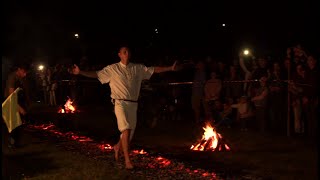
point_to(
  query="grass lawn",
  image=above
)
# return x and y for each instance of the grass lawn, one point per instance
(252, 155)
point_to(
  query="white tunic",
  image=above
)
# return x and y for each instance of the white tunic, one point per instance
(125, 80)
(125, 83)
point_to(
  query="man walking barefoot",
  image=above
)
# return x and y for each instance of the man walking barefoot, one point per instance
(124, 79)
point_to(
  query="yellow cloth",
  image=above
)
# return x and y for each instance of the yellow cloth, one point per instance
(10, 111)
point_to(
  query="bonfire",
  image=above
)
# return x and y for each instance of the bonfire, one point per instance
(68, 107)
(211, 141)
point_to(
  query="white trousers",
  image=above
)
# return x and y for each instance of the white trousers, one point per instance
(126, 113)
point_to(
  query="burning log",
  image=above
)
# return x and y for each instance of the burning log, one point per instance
(211, 141)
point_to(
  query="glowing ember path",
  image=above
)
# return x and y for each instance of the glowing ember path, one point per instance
(151, 162)
(211, 141)
(71, 136)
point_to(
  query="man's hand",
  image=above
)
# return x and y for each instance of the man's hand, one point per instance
(22, 111)
(74, 70)
(241, 55)
(158, 69)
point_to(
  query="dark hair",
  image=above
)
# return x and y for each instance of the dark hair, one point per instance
(127, 47)
(123, 43)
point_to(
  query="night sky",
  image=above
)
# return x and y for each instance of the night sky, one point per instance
(191, 28)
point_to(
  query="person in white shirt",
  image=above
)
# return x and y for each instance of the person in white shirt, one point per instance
(125, 80)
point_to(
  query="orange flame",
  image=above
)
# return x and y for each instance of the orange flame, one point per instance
(210, 141)
(139, 152)
(68, 107)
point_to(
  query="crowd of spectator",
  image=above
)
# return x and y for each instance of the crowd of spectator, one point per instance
(251, 93)
(256, 97)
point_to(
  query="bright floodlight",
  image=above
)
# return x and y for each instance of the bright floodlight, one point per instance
(76, 35)
(246, 52)
(41, 67)
(223, 25)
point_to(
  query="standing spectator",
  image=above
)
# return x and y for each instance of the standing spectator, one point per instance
(212, 91)
(259, 72)
(298, 98)
(260, 102)
(248, 65)
(233, 90)
(299, 55)
(53, 87)
(197, 97)
(277, 99)
(44, 80)
(222, 71)
(49, 85)
(15, 80)
(312, 96)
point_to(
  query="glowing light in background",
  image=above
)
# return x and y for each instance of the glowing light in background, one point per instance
(40, 67)
(246, 52)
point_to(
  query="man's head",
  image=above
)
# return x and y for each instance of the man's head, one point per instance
(124, 54)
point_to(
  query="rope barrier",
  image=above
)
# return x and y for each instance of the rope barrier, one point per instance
(190, 82)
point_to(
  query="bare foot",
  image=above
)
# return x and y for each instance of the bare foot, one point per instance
(129, 165)
(116, 152)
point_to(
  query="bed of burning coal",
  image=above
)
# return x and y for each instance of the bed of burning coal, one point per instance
(149, 163)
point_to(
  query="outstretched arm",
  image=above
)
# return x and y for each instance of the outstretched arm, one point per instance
(76, 70)
(165, 69)
(242, 65)
(90, 74)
